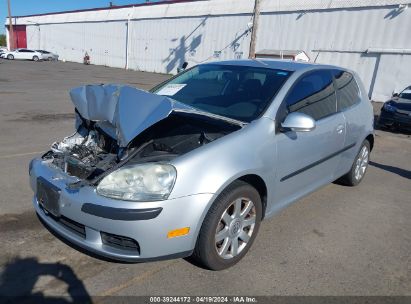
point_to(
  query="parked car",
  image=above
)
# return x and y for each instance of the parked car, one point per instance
(2, 51)
(396, 112)
(48, 55)
(24, 54)
(192, 167)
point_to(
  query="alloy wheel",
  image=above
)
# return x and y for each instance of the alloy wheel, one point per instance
(361, 163)
(235, 228)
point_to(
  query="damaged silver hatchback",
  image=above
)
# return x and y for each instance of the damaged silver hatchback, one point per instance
(192, 167)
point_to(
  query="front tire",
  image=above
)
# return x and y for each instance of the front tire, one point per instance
(229, 228)
(10, 57)
(359, 167)
(36, 58)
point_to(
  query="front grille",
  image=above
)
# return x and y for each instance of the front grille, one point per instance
(403, 112)
(402, 118)
(73, 226)
(120, 242)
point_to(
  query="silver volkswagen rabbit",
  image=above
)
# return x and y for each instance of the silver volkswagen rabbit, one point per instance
(192, 167)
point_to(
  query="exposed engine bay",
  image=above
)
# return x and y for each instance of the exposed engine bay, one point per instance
(120, 124)
(90, 151)
(83, 154)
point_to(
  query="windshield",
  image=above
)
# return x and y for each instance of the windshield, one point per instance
(237, 92)
(406, 94)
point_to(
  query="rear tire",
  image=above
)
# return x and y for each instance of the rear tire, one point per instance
(358, 168)
(10, 57)
(229, 227)
(36, 58)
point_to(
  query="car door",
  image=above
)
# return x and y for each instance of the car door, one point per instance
(349, 103)
(23, 54)
(18, 54)
(307, 160)
(46, 55)
(29, 54)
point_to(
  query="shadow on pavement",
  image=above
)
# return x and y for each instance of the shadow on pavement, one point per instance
(19, 276)
(401, 172)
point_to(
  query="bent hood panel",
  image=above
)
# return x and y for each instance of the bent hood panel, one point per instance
(128, 110)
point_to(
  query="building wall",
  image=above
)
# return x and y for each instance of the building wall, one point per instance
(160, 38)
(105, 42)
(342, 37)
(163, 45)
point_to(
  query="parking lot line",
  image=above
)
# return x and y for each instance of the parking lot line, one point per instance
(139, 278)
(20, 154)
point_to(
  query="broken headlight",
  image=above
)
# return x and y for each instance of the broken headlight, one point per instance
(144, 182)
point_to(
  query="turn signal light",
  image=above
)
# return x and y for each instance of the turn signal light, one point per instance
(178, 232)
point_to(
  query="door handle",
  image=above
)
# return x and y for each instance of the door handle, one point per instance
(340, 129)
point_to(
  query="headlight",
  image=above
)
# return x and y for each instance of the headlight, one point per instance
(389, 108)
(145, 182)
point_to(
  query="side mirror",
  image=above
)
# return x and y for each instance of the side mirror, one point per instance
(395, 94)
(298, 122)
(183, 67)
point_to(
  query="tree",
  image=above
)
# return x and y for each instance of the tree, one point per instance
(3, 40)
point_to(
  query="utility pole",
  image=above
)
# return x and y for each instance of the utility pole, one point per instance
(256, 16)
(11, 30)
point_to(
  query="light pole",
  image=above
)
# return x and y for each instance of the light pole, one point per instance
(256, 16)
(11, 31)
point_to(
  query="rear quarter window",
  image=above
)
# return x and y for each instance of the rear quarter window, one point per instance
(348, 92)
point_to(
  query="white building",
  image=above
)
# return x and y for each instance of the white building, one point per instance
(372, 37)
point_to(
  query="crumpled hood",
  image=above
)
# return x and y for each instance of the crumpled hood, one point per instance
(125, 110)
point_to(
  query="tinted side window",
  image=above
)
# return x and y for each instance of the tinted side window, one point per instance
(348, 92)
(313, 95)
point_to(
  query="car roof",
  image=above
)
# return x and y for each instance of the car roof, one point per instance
(280, 64)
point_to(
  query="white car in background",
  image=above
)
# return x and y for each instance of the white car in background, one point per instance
(48, 55)
(24, 54)
(3, 50)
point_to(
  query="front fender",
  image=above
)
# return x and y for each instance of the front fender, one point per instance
(211, 168)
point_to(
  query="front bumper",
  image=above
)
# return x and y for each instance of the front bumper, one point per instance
(395, 119)
(87, 228)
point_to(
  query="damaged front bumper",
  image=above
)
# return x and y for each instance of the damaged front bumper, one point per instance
(120, 230)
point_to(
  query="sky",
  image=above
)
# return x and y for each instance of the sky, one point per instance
(29, 7)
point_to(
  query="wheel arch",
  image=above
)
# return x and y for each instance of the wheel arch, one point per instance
(259, 184)
(370, 139)
(252, 179)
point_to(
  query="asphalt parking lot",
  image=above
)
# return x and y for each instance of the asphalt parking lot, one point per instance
(337, 241)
